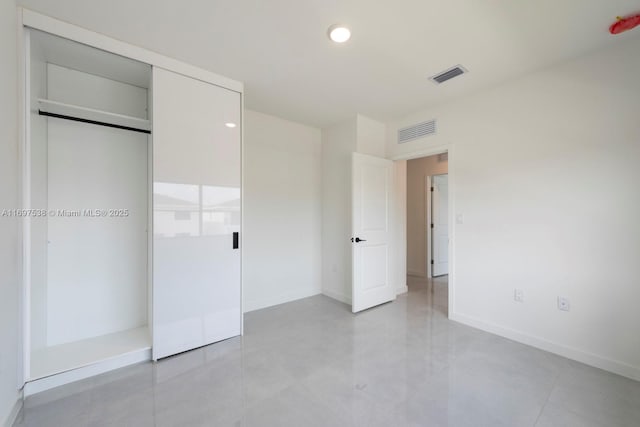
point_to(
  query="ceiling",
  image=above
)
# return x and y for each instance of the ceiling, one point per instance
(280, 50)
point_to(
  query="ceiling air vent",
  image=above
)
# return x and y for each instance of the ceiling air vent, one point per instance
(448, 74)
(416, 131)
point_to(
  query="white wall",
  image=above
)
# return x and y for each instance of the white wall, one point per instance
(10, 259)
(110, 280)
(370, 136)
(338, 142)
(545, 171)
(398, 267)
(417, 172)
(282, 256)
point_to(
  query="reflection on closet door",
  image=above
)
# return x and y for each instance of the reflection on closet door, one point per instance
(196, 208)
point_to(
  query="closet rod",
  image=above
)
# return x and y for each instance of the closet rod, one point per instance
(93, 122)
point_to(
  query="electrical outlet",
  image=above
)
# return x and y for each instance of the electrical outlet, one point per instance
(518, 295)
(563, 304)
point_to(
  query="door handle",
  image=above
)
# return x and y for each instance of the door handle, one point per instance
(358, 240)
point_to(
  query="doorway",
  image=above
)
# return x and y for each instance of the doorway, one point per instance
(423, 174)
(427, 229)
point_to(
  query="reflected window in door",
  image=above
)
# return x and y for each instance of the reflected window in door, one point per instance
(184, 210)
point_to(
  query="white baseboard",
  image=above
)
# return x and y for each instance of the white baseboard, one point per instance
(402, 290)
(13, 415)
(337, 296)
(587, 358)
(46, 383)
(416, 273)
(257, 304)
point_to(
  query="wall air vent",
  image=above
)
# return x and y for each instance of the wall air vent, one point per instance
(416, 131)
(448, 74)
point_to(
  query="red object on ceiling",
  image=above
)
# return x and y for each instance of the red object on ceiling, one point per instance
(624, 24)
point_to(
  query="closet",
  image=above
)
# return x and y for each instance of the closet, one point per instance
(132, 179)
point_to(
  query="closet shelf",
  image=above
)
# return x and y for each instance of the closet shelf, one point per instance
(89, 115)
(65, 357)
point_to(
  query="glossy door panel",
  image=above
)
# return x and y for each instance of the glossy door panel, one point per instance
(196, 205)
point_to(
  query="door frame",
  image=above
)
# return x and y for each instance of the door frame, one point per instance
(450, 151)
(28, 21)
(428, 219)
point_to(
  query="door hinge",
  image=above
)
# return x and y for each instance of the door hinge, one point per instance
(431, 225)
(431, 262)
(431, 188)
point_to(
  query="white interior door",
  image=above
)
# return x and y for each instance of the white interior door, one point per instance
(371, 179)
(440, 218)
(196, 208)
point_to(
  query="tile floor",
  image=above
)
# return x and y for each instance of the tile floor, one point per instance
(312, 363)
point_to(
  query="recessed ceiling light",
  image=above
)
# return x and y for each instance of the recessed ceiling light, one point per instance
(339, 33)
(230, 125)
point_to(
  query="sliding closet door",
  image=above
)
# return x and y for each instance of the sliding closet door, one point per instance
(196, 208)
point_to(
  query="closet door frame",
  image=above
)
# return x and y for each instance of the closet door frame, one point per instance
(29, 19)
